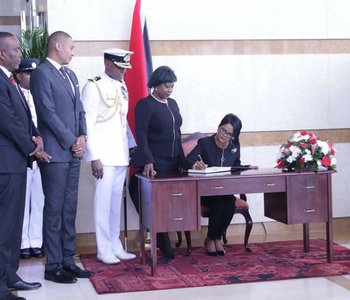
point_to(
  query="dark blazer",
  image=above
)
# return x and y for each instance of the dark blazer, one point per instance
(214, 156)
(61, 117)
(157, 127)
(16, 128)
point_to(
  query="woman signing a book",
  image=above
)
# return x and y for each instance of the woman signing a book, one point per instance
(221, 149)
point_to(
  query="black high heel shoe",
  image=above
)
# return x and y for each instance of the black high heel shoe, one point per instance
(210, 247)
(219, 247)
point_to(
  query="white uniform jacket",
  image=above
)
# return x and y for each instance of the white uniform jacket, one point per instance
(105, 102)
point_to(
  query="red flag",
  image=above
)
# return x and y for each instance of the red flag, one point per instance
(141, 62)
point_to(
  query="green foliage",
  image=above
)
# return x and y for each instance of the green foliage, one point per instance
(33, 43)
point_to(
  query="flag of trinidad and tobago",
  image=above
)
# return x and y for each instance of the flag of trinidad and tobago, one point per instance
(141, 61)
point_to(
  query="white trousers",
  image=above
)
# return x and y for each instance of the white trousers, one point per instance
(32, 233)
(107, 209)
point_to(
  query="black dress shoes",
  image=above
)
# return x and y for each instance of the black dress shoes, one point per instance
(75, 271)
(21, 285)
(60, 276)
(10, 296)
(25, 253)
(37, 252)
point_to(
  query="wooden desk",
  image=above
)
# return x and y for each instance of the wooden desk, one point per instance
(172, 203)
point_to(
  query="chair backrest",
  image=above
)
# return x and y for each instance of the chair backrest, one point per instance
(189, 142)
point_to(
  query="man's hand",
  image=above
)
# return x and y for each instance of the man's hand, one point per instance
(78, 147)
(39, 152)
(97, 169)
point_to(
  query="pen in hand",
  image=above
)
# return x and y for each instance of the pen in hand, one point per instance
(199, 164)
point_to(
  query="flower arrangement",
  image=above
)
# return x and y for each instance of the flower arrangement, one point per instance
(305, 151)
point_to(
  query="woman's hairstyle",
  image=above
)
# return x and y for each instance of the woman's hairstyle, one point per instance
(235, 122)
(161, 75)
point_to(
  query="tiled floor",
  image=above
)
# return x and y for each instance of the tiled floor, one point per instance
(330, 288)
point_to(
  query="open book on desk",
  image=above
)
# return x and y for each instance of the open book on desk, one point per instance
(211, 170)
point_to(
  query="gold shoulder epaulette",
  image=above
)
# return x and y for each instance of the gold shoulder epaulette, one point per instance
(97, 78)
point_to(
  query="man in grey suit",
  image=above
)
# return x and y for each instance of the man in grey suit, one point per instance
(61, 121)
(20, 142)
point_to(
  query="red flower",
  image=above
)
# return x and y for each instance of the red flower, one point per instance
(326, 161)
(280, 164)
(313, 140)
(303, 145)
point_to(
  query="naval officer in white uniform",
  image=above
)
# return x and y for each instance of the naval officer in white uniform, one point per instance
(32, 233)
(105, 100)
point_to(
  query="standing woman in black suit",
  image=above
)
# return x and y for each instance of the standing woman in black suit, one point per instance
(157, 123)
(61, 121)
(19, 142)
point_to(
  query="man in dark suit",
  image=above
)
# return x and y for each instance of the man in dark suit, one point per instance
(61, 121)
(19, 143)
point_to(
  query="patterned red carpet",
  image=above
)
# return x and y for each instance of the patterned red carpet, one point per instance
(267, 261)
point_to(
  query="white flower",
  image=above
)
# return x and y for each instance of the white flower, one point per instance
(295, 151)
(324, 147)
(296, 137)
(333, 160)
(290, 159)
(304, 137)
(307, 156)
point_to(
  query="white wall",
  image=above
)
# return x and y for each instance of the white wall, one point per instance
(204, 20)
(269, 92)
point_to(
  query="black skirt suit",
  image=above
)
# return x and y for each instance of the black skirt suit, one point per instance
(221, 207)
(158, 135)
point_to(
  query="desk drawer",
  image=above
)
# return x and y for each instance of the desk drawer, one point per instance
(307, 199)
(304, 202)
(177, 207)
(242, 185)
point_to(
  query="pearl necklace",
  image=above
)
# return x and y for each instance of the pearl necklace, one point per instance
(159, 100)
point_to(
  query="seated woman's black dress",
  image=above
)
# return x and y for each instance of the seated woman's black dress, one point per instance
(221, 207)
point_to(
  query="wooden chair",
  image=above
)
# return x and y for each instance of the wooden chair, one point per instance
(242, 207)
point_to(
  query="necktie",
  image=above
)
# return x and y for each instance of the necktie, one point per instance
(12, 79)
(64, 72)
(66, 77)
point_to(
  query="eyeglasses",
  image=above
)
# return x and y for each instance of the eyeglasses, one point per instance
(225, 132)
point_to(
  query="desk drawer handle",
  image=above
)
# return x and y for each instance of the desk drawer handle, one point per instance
(309, 187)
(218, 187)
(309, 210)
(175, 194)
(271, 184)
(178, 219)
